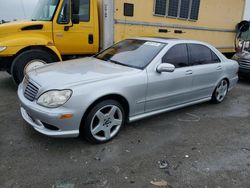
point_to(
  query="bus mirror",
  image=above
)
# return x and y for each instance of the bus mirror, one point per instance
(75, 7)
(75, 19)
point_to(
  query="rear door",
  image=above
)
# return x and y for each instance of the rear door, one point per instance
(206, 68)
(170, 89)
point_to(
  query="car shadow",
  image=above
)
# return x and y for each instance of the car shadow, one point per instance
(244, 81)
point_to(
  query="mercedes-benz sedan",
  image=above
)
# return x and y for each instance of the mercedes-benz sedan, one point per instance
(131, 80)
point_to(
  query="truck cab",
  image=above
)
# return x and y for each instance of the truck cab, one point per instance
(58, 29)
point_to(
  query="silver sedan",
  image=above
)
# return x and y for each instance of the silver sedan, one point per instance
(134, 79)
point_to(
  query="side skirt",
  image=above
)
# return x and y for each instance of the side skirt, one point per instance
(148, 114)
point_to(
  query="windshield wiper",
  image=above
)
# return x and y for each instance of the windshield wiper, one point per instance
(119, 63)
(115, 62)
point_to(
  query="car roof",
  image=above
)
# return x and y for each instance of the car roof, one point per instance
(174, 41)
(168, 40)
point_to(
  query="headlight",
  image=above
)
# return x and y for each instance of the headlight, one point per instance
(2, 48)
(54, 98)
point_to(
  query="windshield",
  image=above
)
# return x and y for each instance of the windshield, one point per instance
(45, 10)
(132, 53)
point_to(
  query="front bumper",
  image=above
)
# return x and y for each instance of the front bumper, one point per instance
(244, 67)
(244, 72)
(37, 116)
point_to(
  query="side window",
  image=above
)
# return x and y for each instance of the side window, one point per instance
(64, 16)
(199, 54)
(177, 55)
(84, 10)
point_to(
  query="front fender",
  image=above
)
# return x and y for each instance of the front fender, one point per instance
(19, 42)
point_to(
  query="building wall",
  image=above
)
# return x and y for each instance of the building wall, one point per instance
(213, 13)
(215, 25)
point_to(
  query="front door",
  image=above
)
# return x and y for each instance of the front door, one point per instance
(170, 89)
(76, 38)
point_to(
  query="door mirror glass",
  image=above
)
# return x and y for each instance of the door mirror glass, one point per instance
(75, 11)
(75, 7)
(165, 67)
(75, 19)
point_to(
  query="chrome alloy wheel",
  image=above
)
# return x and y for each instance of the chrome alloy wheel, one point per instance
(106, 122)
(221, 91)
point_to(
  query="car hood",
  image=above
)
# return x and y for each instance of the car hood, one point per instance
(79, 71)
(242, 56)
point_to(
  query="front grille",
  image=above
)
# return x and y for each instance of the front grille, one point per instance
(245, 61)
(244, 64)
(30, 90)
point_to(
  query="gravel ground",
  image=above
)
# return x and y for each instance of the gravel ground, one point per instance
(200, 146)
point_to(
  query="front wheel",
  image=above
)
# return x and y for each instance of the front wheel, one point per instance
(27, 61)
(104, 121)
(220, 91)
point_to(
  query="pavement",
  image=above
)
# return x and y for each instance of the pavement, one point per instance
(205, 145)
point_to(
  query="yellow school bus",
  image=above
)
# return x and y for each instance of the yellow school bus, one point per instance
(65, 29)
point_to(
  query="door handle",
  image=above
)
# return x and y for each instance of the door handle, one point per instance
(189, 72)
(219, 67)
(91, 39)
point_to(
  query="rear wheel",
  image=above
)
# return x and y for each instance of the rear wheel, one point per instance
(27, 61)
(220, 91)
(104, 121)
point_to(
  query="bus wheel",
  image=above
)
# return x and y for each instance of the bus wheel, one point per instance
(27, 61)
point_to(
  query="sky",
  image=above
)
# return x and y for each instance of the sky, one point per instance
(16, 9)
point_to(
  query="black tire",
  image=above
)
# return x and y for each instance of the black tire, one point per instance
(86, 127)
(19, 63)
(214, 96)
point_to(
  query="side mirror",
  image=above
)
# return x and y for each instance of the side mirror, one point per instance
(165, 67)
(75, 11)
(75, 19)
